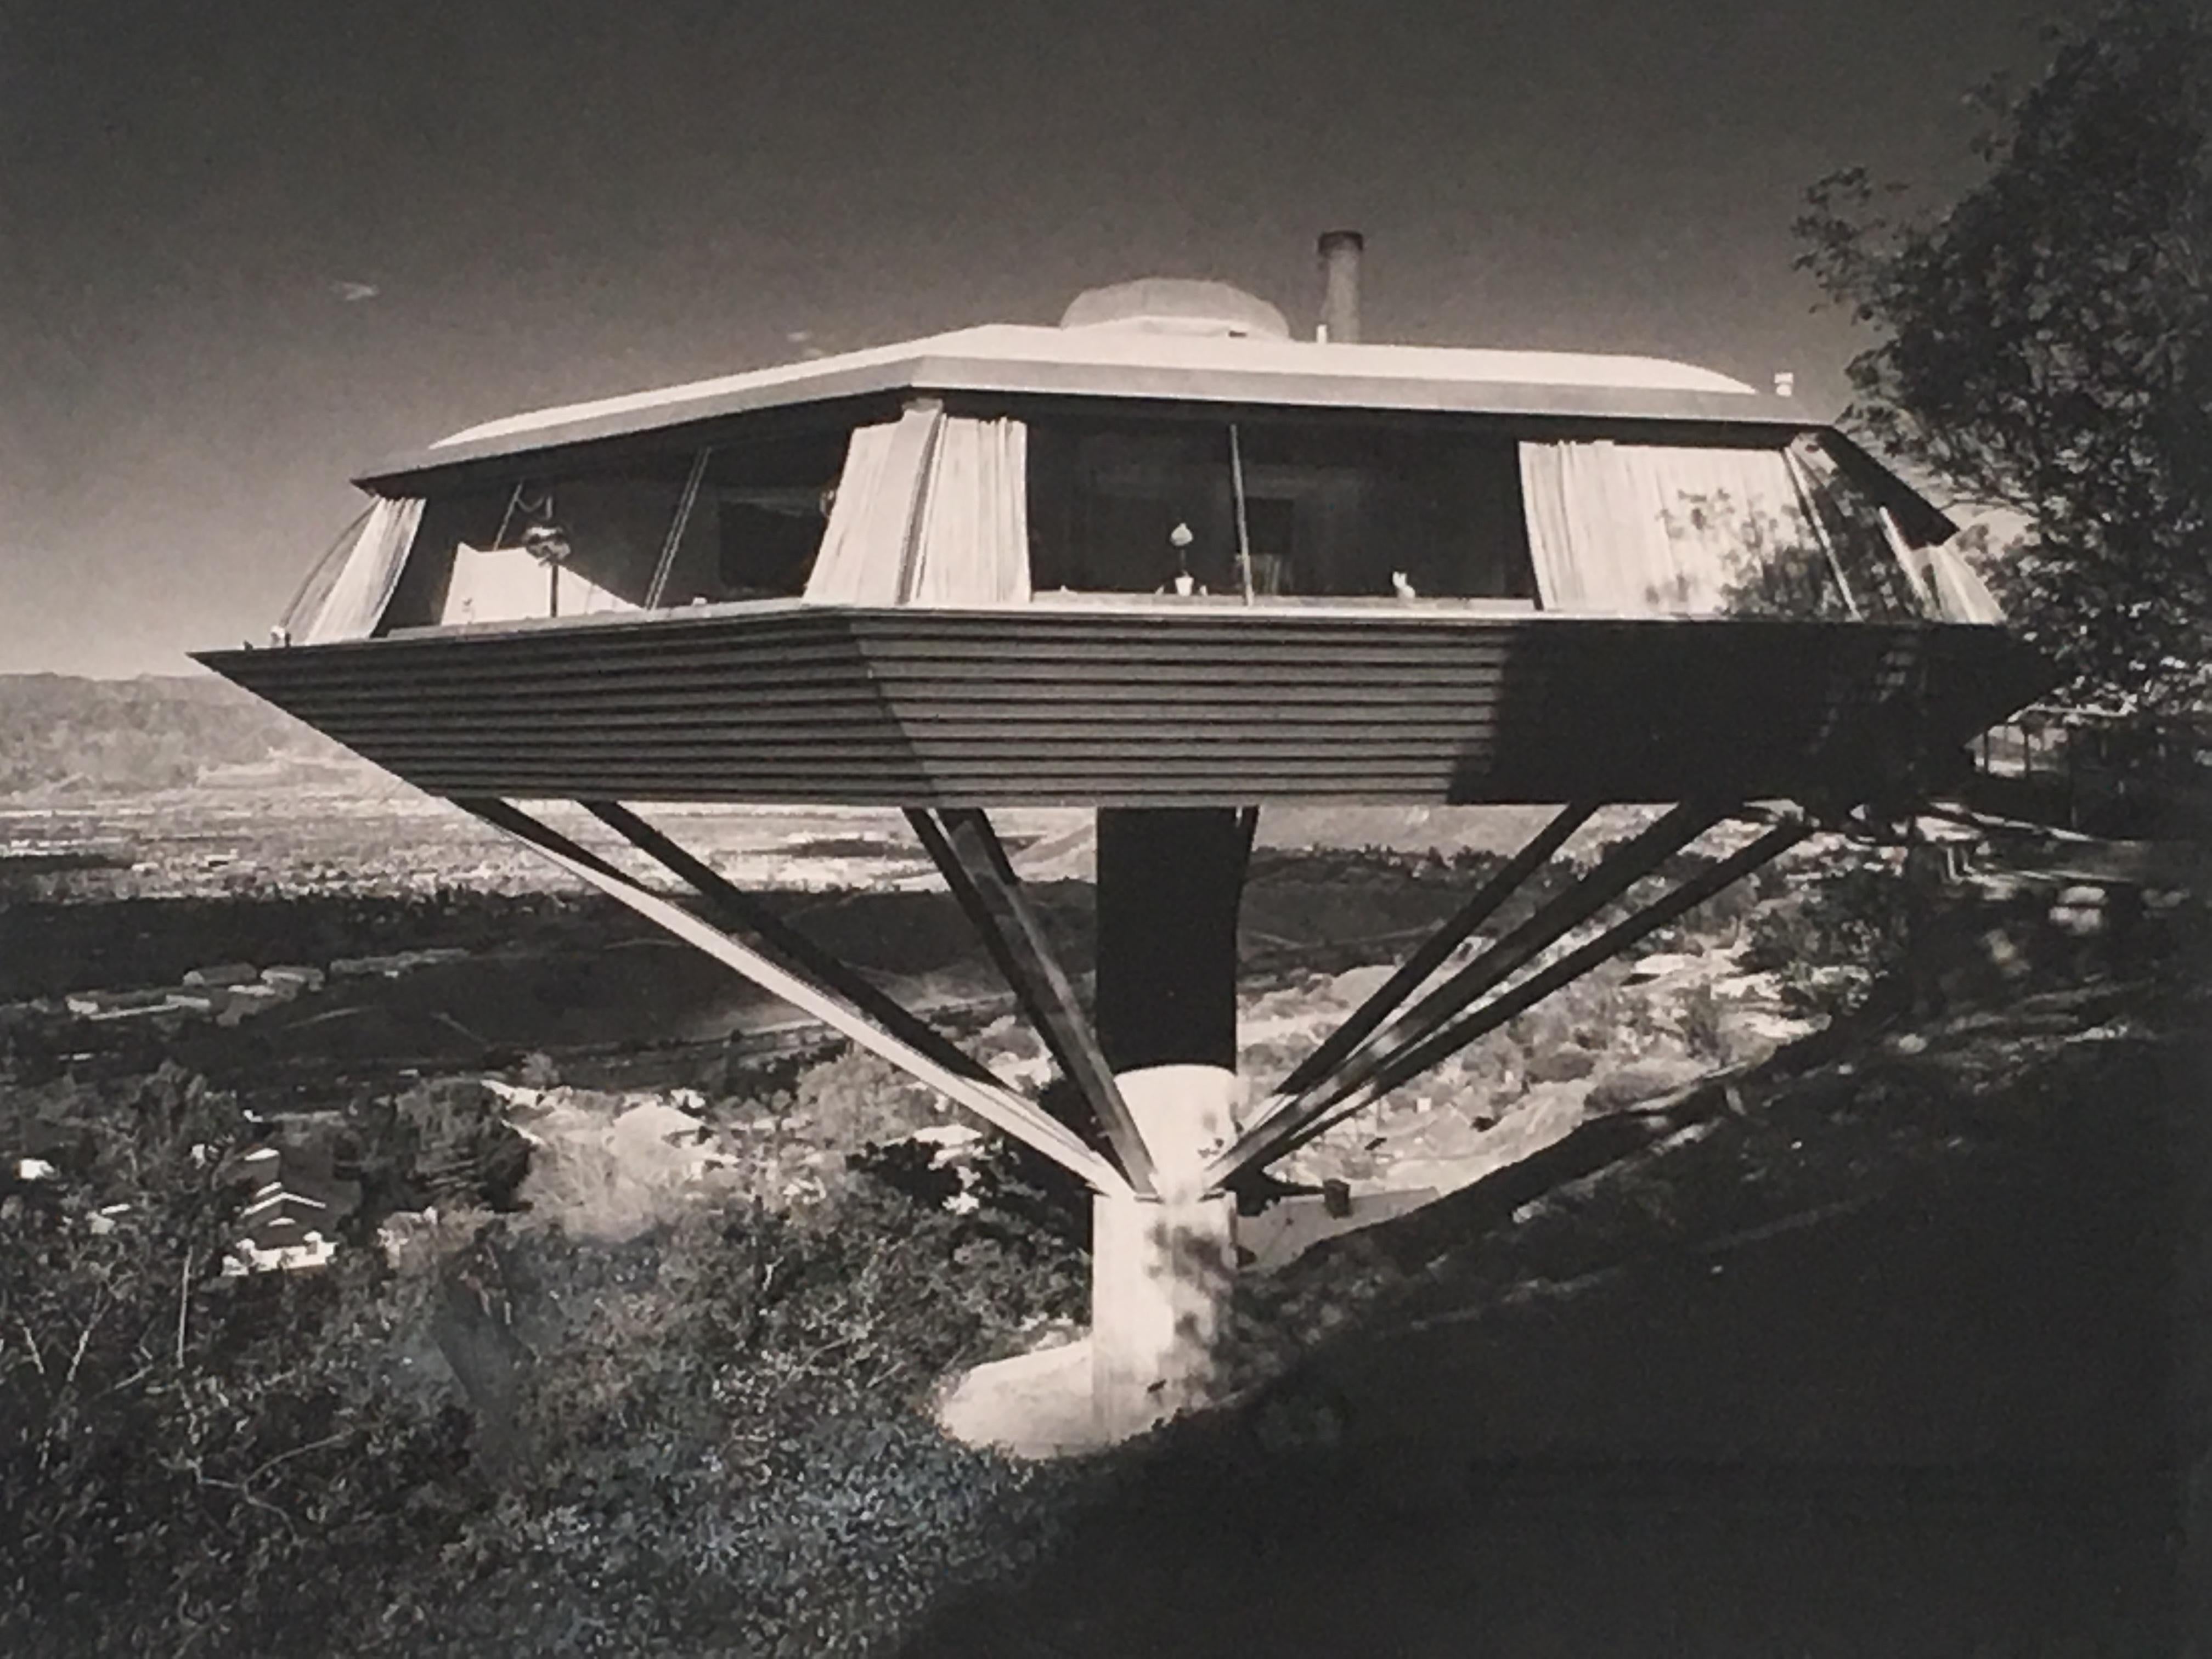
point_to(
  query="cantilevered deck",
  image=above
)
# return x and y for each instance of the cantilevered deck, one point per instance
(1157, 704)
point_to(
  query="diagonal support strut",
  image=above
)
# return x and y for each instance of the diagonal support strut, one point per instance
(1362, 1022)
(967, 851)
(1620, 870)
(735, 907)
(991, 1101)
(1410, 1059)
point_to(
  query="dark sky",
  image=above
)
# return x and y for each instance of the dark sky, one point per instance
(558, 200)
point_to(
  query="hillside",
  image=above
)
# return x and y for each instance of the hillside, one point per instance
(80, 741)
(61, 734)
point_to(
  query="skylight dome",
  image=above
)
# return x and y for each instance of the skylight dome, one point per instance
(1176, 305)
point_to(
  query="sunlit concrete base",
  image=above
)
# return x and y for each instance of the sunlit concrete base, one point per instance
(1161, 1267)
(1034, 1405)
(1160, 1274)
(1186, 1115)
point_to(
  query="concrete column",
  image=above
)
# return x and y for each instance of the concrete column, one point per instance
(1160, 1274)
(1170, 881)
(1169, 884)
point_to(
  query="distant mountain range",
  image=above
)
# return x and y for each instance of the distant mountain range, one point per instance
(62, 739)
(62, 735)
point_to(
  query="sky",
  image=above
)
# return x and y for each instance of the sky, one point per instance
(248, 248)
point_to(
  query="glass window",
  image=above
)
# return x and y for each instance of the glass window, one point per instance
(1324, 511)
(732, 522)
(1851, 520)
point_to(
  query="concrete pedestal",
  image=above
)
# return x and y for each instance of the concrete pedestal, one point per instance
(1187, 1113)
(1160, 1274)
(1161, 1267)
(1170, 883)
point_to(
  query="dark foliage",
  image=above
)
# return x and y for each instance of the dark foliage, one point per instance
(2045, 346)
(707, 1440)
(186, 1461)
(1023, 1200)
(1855, 917)
(717, 1447)
(48, 946)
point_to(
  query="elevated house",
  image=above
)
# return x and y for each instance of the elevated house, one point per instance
(1166, 561)
(1527, 573)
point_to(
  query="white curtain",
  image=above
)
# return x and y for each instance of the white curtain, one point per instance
(930, 510)
(1947, 586)
(1960, 595)
(512, 584)
(356, 600)
(1637, 529)
(973, 545)
(1913, 563)
(871, 522)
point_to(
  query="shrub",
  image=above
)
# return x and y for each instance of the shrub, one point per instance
(1843, 925)
(445, 1141)
(1705, 1032)
(855, 1098)
(723, 1438)
(1016, 1200)
(184, 1459)
(711, 1437)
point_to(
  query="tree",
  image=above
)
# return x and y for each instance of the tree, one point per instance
(2045, 348)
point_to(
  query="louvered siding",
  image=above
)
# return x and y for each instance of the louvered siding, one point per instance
(914, 707)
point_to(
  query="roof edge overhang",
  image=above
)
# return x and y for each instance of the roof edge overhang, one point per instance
(1019, 361)
(1924, 524)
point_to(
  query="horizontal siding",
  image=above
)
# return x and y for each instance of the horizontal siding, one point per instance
(948, 708)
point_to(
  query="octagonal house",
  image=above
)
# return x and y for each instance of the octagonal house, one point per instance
(1168, 562)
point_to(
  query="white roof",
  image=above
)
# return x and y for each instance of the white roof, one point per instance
(1125, 361)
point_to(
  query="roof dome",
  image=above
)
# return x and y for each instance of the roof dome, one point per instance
(1176, 304)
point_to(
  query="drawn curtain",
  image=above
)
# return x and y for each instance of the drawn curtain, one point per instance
(871, 519)
(1960, 595)
(1881, 571)
(973, 547)
(365, 581)
(931, 509)
(1637, 529)
(512, 584)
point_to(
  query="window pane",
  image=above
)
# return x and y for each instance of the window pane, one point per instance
(764, 506)
(1851, 518)
(1327, 511)
(624, 537)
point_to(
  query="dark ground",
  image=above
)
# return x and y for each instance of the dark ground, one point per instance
(563, 973)
(1632, 1561)
(1881, 1366)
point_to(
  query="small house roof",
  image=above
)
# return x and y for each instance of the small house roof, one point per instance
(1138, 362)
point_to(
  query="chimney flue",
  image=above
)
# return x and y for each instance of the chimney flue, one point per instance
(1340, 303)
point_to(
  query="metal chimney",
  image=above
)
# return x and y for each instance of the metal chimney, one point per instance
(1339, 304)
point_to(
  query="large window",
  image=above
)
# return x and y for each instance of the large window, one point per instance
(947, 510)
(1296, 509)
(732, 522)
